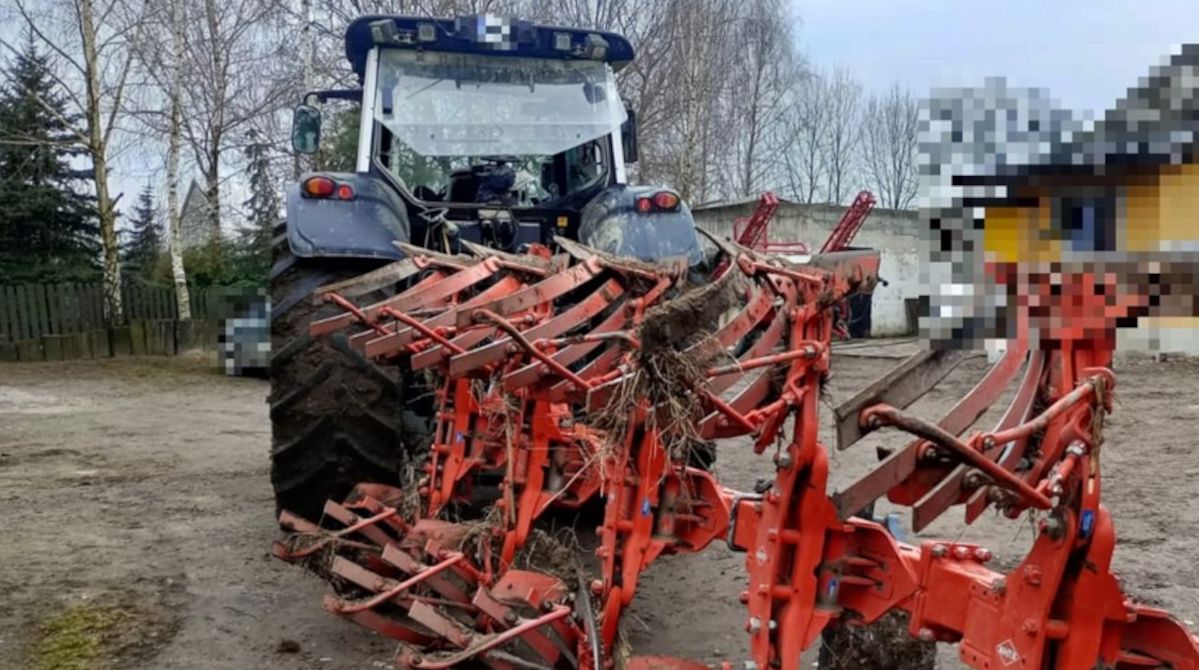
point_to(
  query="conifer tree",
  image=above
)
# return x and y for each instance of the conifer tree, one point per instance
(49, 230)
(263, 212)
(140, 253)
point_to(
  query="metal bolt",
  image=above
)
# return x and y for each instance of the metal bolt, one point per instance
(939, 550)
(1053, 527)
(782, 460)
(974, 480)
(962, 553)
(1032, 575)
(982, 555)
(926, 635)
(753, 625)
(510, 617)
(772, 624)
(1030, 626)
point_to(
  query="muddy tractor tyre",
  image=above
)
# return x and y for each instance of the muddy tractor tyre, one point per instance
(337, 418)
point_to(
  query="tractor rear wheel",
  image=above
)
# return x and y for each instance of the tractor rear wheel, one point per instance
(337, 418)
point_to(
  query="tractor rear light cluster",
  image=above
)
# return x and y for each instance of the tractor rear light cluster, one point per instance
(662, 201)
(324, 187)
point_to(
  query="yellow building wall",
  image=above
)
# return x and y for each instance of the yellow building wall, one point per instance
(1013, 234)
(1164, 210)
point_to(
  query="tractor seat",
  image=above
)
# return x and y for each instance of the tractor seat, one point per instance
(464, 184)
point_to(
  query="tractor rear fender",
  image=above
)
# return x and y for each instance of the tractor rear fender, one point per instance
(362, 223)
(613, 222)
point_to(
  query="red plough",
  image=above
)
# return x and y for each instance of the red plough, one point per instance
(576, 377)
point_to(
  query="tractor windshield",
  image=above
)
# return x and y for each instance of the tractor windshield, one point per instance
(444, 104)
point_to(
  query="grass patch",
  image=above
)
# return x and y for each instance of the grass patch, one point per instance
(79, 638)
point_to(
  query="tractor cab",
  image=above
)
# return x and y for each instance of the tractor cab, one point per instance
(484, 129)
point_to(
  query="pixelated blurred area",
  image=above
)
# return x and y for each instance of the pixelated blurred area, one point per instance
(245, 333)
(1045, 230)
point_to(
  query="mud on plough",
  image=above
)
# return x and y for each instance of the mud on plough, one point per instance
(562, 379)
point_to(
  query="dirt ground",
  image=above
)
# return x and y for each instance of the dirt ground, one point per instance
(136, 509)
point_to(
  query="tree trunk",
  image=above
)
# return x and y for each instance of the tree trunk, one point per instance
(182, 297)
(298, 159)
(213, 174)
(212, 194)
(98, 148)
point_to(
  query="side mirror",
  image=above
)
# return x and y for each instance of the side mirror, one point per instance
(628, 136)
(306, 129)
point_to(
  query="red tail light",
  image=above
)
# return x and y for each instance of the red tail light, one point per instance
(345, 192)
(319, 187)
(644, 205)
(666, 200)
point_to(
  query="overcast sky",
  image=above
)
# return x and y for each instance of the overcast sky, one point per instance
(1086, 52)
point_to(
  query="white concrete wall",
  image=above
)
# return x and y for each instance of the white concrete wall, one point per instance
(894, 233)
(1161, 336)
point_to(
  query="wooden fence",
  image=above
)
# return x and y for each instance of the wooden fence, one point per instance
(51, 321)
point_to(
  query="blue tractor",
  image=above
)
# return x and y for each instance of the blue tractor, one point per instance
(479, 129)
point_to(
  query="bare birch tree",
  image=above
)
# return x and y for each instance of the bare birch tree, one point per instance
(763, 79)
(702, 41)
(808, 121)
(174, 142)
(843, 106)
(231, 76)
(93, 38)
(890, 128)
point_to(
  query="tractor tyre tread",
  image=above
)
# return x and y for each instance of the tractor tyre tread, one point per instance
(338, 419)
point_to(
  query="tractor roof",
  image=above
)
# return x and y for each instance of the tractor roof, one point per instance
(483, 34)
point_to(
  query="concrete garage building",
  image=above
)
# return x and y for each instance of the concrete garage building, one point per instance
(895, 233)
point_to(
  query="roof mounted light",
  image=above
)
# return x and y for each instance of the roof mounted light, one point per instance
(595, 47)
(384, 32)
(426, 32)
(562, 41)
